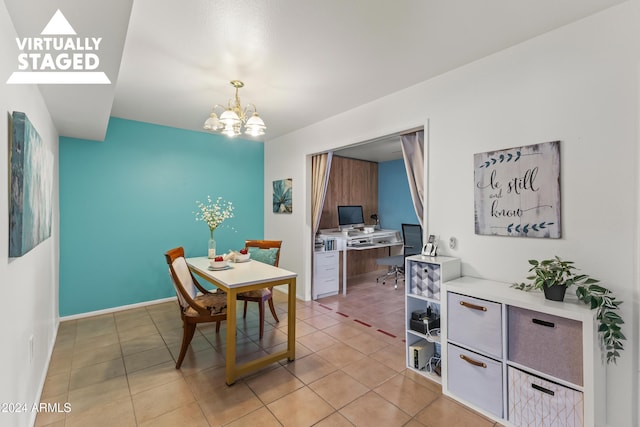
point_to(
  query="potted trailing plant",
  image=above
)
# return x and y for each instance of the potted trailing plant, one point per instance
(555, 274)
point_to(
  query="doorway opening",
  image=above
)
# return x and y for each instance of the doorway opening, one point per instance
(370, 175)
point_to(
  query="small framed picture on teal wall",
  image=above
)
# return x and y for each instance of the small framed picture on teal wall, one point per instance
(282, 200)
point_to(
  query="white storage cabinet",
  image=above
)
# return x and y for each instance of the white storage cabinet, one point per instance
(540, 359)
(326, 273)
(424, 277)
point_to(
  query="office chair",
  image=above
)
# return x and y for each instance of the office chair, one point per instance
(412, 238)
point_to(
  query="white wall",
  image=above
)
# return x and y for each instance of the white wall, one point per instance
(637, 265)
(29, 284)
(577, 84)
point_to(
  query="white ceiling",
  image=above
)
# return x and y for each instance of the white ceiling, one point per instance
(80, 111)
(301, 61)
(379, 150)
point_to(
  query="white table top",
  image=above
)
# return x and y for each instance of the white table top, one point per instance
(241, 273)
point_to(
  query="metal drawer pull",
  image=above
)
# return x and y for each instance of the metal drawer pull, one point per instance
(473, 362)
(473, 306)
(543, 323)
(542, 389)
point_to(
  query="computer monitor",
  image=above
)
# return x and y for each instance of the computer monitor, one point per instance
(350, 217)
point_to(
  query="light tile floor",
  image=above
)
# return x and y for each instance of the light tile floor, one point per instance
(119, 370)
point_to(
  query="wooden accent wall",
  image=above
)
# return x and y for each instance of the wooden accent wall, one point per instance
(353, 182)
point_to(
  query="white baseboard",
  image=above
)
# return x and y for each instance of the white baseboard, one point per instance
(43, 376)
(116, 309)
(284, 289)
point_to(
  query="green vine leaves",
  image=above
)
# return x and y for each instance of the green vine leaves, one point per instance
(602, 300)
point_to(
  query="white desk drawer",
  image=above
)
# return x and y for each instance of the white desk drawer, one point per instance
(321, 268)
(475, 323)
(475, 378)
(329, 273)
(326, 259)
(325, 286)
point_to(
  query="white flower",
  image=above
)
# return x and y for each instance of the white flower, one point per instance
(214, 213)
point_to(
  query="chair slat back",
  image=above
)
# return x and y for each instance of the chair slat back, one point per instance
(266, 244)
(181, 276)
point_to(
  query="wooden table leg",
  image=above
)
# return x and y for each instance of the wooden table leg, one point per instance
(230, 369)
(344, 271)
(291, 331)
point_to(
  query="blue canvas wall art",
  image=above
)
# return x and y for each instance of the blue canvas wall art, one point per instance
(30, 204)
(282, 198)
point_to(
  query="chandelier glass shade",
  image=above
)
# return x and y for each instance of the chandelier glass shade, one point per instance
(233, 118)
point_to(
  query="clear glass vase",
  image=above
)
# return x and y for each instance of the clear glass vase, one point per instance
(212, 247)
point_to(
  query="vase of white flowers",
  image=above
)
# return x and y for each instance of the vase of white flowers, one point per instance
(211, 252)
(214, 214)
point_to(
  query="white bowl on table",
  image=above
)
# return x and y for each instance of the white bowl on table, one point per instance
(218, 264)
(242, 257)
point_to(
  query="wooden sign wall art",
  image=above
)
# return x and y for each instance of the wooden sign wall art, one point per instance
(517, 191)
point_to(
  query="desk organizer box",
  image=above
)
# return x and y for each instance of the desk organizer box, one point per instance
(534, 402)
(475, 378)
(425, 280)
(547, 343)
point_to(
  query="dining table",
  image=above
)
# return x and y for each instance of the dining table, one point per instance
(242, 277)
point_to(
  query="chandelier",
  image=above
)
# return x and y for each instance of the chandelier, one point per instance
(234, 117)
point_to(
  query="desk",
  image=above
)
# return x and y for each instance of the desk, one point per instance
(359, 241)
(242, 277)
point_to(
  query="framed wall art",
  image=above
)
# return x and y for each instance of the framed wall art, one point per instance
(31, 181)
(282, 198)
(517, 191)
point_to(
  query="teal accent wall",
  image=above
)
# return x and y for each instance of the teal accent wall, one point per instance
(394, 198)
(125, 201)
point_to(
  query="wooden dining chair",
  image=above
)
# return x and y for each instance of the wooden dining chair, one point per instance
(267, 251)
(194, 308)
